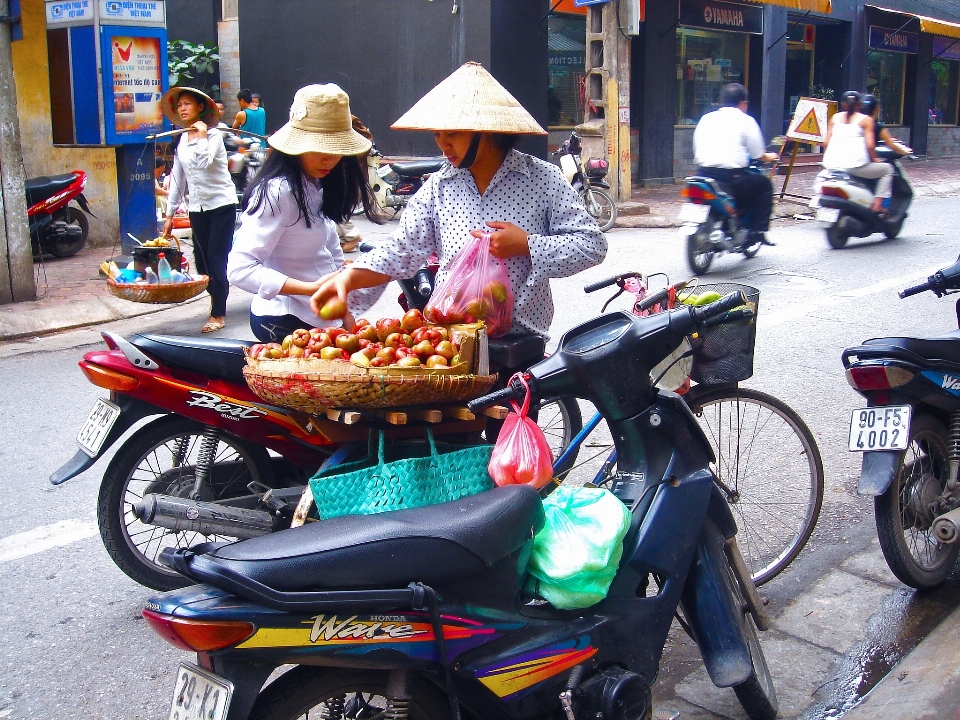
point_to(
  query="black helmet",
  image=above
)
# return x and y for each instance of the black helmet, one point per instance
(869, 104)
(850, 101)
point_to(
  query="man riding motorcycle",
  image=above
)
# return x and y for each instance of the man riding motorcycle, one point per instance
(724, 143)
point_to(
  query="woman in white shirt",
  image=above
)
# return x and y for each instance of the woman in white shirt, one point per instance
(288, 237)
(200, 172)
(851, 145)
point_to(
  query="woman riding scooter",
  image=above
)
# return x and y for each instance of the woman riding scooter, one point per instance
(536, 221)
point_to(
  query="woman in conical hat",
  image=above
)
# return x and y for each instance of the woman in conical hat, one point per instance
(537, 222)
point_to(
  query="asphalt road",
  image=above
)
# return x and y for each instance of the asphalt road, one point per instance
(72, 643)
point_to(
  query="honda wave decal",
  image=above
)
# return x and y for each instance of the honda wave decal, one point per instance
(512, 677)
(950, 383)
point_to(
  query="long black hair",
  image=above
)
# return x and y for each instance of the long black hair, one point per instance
(344, 188)
(850, 103)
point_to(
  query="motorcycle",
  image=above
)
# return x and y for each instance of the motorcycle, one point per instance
(244, 160)
(843, 201)
(56, 227)
(216, 461)
(710, 223)
(393, 184)
(587, 179)
(909, 435)
(425, 613)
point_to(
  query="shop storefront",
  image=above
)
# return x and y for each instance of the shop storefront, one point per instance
(566, 64)
(944, 81)
(887, 69)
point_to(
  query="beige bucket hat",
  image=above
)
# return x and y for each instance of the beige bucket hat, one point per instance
(320, 121)
(168, 105)
(470, 99)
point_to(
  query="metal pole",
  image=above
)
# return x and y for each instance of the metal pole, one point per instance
(16, 258)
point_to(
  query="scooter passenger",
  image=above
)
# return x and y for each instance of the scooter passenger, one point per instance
(870, 105)
(851, 146)
(538, 224)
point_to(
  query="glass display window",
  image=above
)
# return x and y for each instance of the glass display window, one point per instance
(567, 62)
(885, 79)
(706, 61)
(944, 79)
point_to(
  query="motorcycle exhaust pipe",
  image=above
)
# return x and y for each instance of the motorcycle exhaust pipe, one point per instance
(184, 514)
(947, 527)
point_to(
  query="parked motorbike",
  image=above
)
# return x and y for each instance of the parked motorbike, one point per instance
(215, 461)
(588, 179)
(710, 223)
(909, 435)
(843, 201)
(421, 613)
(394, 184)
(56, 227)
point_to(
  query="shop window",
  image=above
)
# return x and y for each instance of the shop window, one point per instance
(885, 78)
(567, 61)
(706, 61)
(944, 78)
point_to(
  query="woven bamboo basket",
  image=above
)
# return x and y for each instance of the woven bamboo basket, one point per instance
(315, 392)
(157, 293)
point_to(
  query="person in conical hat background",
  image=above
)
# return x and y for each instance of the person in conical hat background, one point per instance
(537, 222)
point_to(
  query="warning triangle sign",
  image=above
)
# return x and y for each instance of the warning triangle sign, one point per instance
(809, 124)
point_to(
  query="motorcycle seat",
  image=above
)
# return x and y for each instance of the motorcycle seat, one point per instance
(715, 185)
(415, 168)
(944, 348)
(39, 189)
(435, 545)
(219, 358)
(515, 351)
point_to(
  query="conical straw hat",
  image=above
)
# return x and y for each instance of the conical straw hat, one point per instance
(469, 99)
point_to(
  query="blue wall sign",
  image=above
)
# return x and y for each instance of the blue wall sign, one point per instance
(892, 41)
(946, 48)
(134, 76)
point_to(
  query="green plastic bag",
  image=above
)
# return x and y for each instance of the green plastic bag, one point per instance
(577, 553)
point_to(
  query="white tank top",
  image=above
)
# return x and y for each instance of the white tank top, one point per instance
(847, 148)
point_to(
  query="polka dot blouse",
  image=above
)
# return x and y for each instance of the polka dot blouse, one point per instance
(526, 191)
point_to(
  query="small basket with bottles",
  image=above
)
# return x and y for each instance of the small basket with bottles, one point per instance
(157, 274)
(723, 352)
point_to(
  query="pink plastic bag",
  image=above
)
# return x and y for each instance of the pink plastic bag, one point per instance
(522, 455)
(477, 289)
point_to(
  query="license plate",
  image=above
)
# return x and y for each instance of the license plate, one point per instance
(694, 213)
(829, 215)
(880, 428)
(97, 426)
(814, 201)
(200, 695)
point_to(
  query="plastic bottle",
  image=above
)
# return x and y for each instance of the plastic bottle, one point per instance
(151, 276)
(164, 271)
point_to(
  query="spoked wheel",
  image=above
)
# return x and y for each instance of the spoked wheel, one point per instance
(163, 457)
(770, 469)
(560, 421)
(906, 511)
(700, 251)
(307, 693)
(600, 206)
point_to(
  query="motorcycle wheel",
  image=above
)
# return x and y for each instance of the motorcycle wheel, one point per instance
(757, 695)
(699, 250)
(162, 458)
(64, 247)
(836, 238)
(893, 229)
(560, 420)
(600, 206)
(904, 521)
(312, 691)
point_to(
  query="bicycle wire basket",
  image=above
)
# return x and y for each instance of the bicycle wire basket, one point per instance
(724, 353)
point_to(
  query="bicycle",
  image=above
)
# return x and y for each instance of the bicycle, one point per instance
(767, 460)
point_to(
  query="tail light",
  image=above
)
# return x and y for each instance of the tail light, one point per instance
(834, 191)
(697, 193)
(878, 377)
(107, 378)
(199, 635)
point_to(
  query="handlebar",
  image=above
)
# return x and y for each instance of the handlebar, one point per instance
(650, 300)
(915, 290)
(728, 302)
(615, 280)
(513, 391)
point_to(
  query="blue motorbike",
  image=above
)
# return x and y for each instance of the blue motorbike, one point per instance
(427, 613)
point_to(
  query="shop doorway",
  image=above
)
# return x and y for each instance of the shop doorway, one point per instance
(799, 69)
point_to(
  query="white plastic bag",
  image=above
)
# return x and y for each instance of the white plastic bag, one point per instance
(576, 554)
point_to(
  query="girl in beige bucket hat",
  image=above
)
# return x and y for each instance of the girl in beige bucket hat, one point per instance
(287, 238)
(538, 224)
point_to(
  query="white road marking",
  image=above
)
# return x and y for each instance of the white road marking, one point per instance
(31, 542)
(802, 309)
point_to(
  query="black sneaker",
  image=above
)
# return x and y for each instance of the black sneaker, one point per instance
(762, 239)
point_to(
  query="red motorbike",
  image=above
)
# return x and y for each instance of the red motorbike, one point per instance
(216, 462)
(56, 227)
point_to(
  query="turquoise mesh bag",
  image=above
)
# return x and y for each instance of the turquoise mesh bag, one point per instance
(362, 489)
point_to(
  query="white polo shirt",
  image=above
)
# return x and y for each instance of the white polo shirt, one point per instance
(727, 138)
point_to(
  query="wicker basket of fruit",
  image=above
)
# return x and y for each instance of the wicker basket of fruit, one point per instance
(390, 364)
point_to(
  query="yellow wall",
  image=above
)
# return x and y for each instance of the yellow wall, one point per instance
(40, 157)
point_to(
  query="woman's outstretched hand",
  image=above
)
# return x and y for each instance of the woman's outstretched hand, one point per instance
(507, 240)
(332, 285)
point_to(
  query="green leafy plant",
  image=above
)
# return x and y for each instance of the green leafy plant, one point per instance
(193, 64)
(823, 92)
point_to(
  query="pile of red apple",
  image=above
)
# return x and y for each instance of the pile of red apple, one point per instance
(408, 342)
